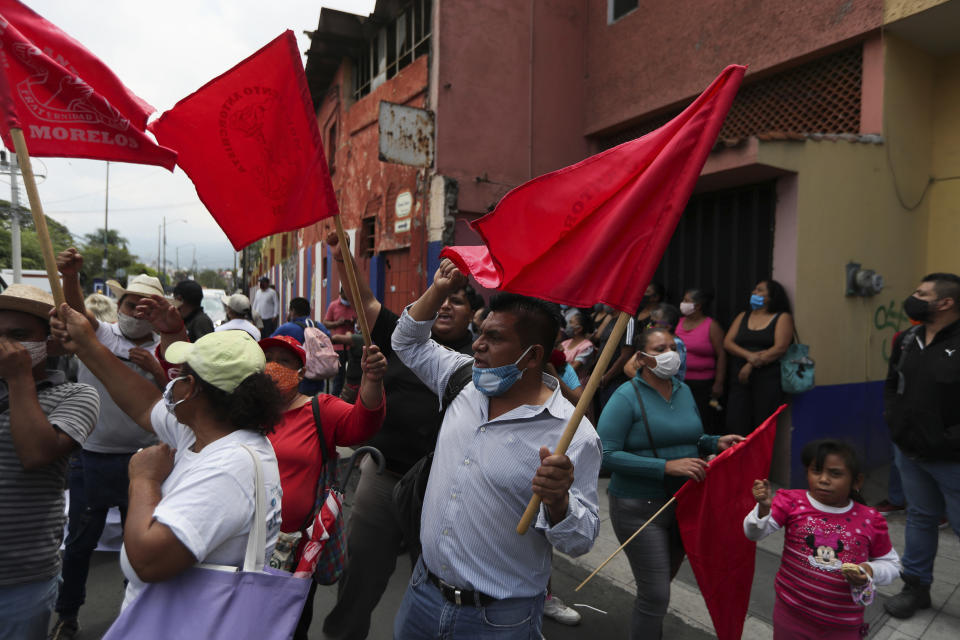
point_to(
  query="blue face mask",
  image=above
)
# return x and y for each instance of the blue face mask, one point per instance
(495, 381)
(756, 302)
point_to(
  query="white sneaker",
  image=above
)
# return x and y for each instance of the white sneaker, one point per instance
(553, 607)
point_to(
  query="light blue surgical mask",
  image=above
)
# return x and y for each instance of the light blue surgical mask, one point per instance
(168, 400)
(495, 381)
(756, 302)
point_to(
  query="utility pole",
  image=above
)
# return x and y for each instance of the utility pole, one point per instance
(163, 269)
(106, 209)
(15, 219)
(15, 249)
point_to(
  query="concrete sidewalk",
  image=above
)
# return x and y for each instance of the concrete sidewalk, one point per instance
(941, 622)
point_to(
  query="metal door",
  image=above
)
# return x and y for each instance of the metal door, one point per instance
(724, 244)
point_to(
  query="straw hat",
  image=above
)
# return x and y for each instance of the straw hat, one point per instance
(27, 299)
(141, 285)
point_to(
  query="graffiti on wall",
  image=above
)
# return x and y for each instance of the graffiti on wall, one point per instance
(890, 319)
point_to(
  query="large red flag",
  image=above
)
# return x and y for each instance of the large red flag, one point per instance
(595, 231)
(68, 102)
(710, 517)
(249, 141)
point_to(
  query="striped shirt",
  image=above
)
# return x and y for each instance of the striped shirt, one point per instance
(480, 480)
(31, 502)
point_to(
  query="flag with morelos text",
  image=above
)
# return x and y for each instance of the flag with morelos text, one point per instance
(249, 141)
(67, 102)
(710, 518)
(596, 231)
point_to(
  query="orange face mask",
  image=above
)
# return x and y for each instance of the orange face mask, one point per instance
(285, 378)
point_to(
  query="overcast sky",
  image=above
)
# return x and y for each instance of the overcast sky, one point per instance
(162, 52)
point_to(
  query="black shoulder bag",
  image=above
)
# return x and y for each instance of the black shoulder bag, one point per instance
(409, 492)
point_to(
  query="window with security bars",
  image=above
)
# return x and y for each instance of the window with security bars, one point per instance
(394, 46)
(822, 96)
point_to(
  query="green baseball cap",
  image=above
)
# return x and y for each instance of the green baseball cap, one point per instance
(223, 358)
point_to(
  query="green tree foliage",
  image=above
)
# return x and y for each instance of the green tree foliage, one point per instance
(120, 262)
(31, 256)
(211, 279)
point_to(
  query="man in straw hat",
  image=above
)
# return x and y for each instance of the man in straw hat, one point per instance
(98, 473)
(42, 419)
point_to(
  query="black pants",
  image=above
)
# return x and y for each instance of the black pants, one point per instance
(701, 390)
(750, 404)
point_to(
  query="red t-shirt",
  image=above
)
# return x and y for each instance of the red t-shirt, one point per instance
(298, 450)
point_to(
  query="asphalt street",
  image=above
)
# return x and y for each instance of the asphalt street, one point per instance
(609, 616)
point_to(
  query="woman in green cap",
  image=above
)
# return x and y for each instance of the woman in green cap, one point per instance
(192, 496)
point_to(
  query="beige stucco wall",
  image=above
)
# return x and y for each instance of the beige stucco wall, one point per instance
(897, 9)
(867, 203)
(846, 211)
(943, 238)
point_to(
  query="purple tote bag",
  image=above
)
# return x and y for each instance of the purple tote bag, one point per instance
(217, 602)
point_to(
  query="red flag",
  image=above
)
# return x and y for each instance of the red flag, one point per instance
(249, 141)
(68, 102)
(710, 517)
(595, 231)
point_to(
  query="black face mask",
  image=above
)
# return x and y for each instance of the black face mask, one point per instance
(917, 309)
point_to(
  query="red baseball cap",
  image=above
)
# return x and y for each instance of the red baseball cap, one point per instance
(285, 342)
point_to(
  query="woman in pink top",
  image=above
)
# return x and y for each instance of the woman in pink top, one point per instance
(706, 358)
(578, 349)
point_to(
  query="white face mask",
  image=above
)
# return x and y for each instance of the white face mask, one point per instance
(133, 328)
(686, 308)
(37, 351)
(668, 364)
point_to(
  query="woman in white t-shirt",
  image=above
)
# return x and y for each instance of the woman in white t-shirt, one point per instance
(192, 496)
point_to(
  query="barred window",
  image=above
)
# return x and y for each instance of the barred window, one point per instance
(393, 47)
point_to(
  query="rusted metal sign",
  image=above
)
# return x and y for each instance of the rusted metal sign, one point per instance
(406, 135)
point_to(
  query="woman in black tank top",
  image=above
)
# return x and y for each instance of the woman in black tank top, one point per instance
(756, 341)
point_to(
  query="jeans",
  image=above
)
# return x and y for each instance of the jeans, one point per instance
(374, 540)
(655, 557)
(895, 487)
(426, 615)
(269, 326)
(25, 609)
(932, 490)
(97, 481)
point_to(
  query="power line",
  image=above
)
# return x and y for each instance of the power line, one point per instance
(148, 208)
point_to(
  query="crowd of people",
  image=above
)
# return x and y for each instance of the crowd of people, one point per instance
(465, 399)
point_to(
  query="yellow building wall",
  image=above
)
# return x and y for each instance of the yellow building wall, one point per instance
(847, 211)
(943, 239)
(866, 203)
(897, 9)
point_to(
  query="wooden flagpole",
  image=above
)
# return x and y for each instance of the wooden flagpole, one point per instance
(346, 252)
(36, 208)
(629, 540)
(585, 399)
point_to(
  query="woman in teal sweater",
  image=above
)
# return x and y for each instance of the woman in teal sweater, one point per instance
(653, 441)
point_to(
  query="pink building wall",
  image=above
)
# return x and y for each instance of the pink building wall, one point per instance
(667, 52)
(509, 93)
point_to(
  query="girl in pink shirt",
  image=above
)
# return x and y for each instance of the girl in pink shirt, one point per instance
(836, 550)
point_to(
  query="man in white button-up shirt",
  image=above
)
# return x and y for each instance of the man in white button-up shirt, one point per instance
(476, 575)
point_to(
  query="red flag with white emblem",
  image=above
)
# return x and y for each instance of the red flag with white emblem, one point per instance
(67, 101)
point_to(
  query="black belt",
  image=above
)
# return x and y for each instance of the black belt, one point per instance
(459, 596)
